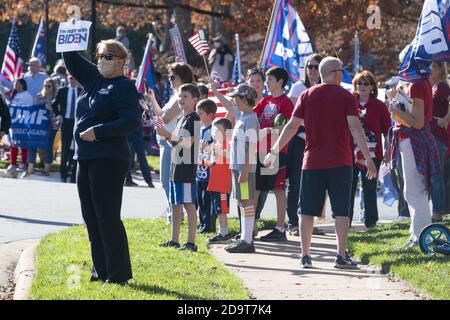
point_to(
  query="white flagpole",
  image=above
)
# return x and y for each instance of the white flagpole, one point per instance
(238, 54)
(206, 66)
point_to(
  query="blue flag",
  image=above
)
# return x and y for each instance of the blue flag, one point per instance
(39, 44)
(287, 44)
(431, 43)
(30, 126)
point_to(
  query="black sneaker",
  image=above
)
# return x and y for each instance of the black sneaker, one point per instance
(306, 262)
(219, 238)
(188, 247)
(240, 246)
(169, 244)
(275, 235)
(344, 263)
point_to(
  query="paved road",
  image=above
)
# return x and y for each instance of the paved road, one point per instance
(33, 207)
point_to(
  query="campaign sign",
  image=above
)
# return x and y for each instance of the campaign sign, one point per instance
(73, 36)
(30, 126)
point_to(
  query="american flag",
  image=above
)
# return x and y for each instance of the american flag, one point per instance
(157, 121)
(199, 42)
(12, 63)
(221, 111)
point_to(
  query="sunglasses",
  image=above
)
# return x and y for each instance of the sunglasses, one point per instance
(313, 66)
(364, 84)
(107, 56)
(48, 86)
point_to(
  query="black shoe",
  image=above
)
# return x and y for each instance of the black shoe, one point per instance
(344, 263)
(120, 283)
(170, 244)
(318, 232)
(274, 236)
(150, 185)
(188, 247)
(240, 246)
(94, 278)
(306, 262)
(237, 237)
(131, 183)
(219, 238)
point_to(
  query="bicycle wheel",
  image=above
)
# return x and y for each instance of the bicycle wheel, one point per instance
(430, 233)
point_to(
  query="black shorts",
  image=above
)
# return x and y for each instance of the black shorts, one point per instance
(315, 184)
(270, 179)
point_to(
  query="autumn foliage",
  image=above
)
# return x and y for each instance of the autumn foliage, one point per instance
(331, 24)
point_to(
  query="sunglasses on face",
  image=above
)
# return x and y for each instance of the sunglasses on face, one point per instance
(48, 86)
(313, 66)
(107, 56)
(363, 83)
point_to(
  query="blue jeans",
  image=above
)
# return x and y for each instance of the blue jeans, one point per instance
(136, 140)
(437, 182)
(165, 150)
(31, 157)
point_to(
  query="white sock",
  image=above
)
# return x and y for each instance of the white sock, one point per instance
(247, 228)
(223, 231)
(280, 229)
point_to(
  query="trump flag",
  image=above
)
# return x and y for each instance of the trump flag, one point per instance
(287, 43)
(431, 42)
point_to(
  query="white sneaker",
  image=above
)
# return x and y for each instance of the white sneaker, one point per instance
(403, 218)
(10, 168)
(22, 166)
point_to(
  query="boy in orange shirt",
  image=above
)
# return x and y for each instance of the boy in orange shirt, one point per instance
(220, 177)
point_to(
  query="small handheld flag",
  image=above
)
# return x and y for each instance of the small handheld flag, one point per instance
(200, 44)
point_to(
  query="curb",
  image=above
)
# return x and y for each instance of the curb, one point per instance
(24, 273)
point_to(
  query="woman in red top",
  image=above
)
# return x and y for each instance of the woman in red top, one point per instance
(441, 117)
(375, 118)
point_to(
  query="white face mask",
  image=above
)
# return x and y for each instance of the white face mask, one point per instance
(119, 35)
(106, 67)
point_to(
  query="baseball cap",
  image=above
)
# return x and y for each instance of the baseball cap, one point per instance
(244, 91)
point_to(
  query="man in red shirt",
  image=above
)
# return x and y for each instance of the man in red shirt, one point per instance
(331, 118)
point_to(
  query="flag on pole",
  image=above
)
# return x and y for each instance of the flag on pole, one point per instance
(199, 42)
(38, 50)
(146, 70)
(237, 73)
(12, 63)
(287, 44)
(431, 43)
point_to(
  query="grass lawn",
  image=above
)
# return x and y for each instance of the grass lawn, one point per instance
(159, 273)
(382, 246)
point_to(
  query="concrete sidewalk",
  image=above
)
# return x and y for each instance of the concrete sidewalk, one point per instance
(274, 273)
(9, 256)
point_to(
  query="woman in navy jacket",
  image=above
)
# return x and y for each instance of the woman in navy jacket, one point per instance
(107, 110)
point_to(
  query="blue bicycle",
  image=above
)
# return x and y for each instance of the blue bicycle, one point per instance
(435, 238)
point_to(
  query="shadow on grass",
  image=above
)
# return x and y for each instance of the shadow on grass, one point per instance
(156, 290)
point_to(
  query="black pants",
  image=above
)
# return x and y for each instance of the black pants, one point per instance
(205, 213)
(399, 186)
(67, 162)
(294, 174)
(100, 187)
(447, 183)
(370, 195)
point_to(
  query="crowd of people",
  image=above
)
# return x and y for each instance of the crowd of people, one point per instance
(306, 145)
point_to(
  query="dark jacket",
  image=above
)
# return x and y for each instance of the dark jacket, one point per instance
(110, 106)
(5, 116)
(59, 105)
